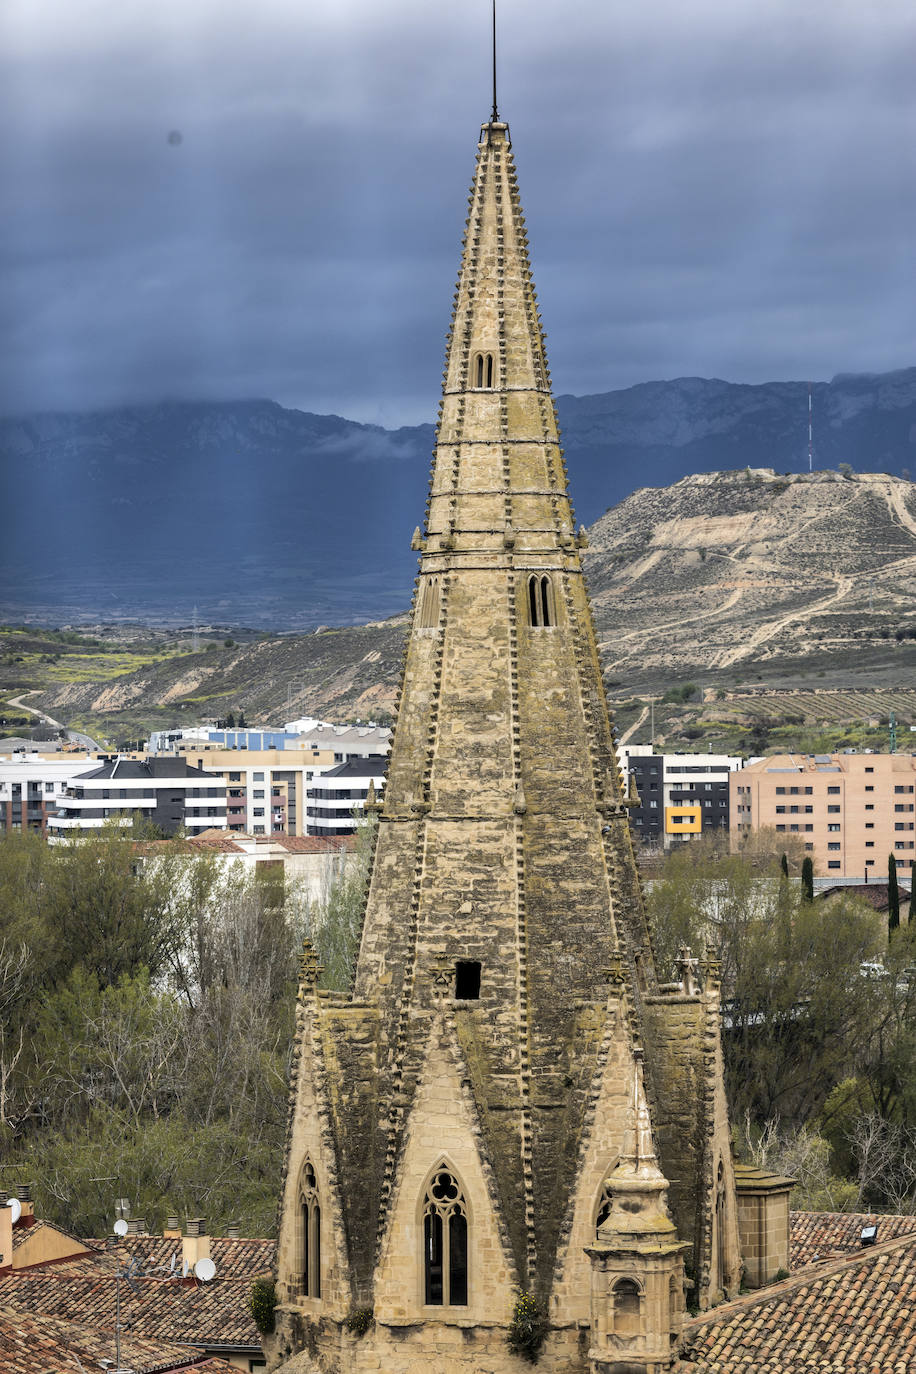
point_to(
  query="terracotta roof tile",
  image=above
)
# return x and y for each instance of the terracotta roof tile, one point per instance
(824, 1235)
(36, 1344)
(213, 1315)
(850, 1316)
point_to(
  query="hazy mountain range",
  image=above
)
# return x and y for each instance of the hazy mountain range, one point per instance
(268, 517)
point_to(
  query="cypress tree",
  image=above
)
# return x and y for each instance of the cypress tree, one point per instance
(911, 910)
(784, 865)
(807, 879)
(893, 895)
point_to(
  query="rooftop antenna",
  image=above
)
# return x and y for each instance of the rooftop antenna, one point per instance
(494, 117)
(195, 640)
(810, 432)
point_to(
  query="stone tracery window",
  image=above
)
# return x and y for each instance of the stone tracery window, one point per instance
(445, 1242)
(310, 1232)
(604, 1207)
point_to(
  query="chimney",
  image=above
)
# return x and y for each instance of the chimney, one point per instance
(136, 1227)
(172, 1229)
(195, 1243)
(6, 1234)
(233, 1230)
(24, 1194)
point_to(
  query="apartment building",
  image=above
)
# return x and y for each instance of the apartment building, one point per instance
(337, 794)
(32, 785)
(168, 791)
(266, 787)
(850, 810)
(681, 795)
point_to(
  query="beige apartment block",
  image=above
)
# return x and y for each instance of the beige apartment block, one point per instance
(265, 788)
(850, 810)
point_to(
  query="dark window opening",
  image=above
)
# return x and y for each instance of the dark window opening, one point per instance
(540, 602)
(467, 980)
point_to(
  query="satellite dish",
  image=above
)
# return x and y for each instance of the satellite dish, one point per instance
(120, 1227)
(15, 1207)
(205, 1269)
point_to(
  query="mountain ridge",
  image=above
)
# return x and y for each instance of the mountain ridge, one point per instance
(281, 519)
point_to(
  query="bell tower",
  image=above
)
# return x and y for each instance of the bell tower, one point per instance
(466, 1124)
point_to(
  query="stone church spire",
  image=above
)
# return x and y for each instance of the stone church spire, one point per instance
(461, 1114)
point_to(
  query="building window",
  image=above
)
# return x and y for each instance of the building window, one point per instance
(445, 1242)
(483, 371)
(627, 1308)
(467, 980)
(429, 605)
(540, 602)
(834, 863)
(310, 1232)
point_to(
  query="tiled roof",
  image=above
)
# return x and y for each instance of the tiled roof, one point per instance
(214, 1315)
(849, 1316)
(35, 1344)
(23, 1234)
(877, 895)
(829, 1235)
(315, 844)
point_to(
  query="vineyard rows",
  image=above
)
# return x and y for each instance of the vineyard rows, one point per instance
(832, 706)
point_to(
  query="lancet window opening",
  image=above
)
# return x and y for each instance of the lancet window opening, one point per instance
(540, 602)
(445, 1242)
(429, 605)
(310, 1232)
(484, 372)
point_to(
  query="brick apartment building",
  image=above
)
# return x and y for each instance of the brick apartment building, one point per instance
(850, 810)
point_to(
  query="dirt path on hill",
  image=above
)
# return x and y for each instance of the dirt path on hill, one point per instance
(774, 627)
(896, 506)
(631, 729)
(727, 604)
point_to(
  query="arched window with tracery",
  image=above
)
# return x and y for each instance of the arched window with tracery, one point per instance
(445, 1242)
(540, 601)
(627, 1307)
(605, 1202)
(310, 1232)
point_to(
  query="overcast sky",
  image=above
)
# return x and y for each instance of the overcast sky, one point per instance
(217, 199)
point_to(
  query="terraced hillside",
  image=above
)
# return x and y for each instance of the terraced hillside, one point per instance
(747, 567)
(725, 579)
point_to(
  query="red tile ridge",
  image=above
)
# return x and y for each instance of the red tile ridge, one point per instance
(812, 1273)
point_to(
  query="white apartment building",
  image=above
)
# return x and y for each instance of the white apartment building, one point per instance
(32, 785)
(681, 795)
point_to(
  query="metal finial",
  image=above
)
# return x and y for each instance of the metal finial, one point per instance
(494, 117)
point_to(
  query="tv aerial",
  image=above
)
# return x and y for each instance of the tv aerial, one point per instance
(15, 1207)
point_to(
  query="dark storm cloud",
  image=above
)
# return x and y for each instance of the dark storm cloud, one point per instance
(728, 192)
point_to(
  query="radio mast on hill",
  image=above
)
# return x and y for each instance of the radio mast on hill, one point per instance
(810, 439)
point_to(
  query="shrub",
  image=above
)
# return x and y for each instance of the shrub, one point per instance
(528, 1327)
(262, 1304)
(359, 1320)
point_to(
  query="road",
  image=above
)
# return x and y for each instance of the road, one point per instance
(75, 736)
